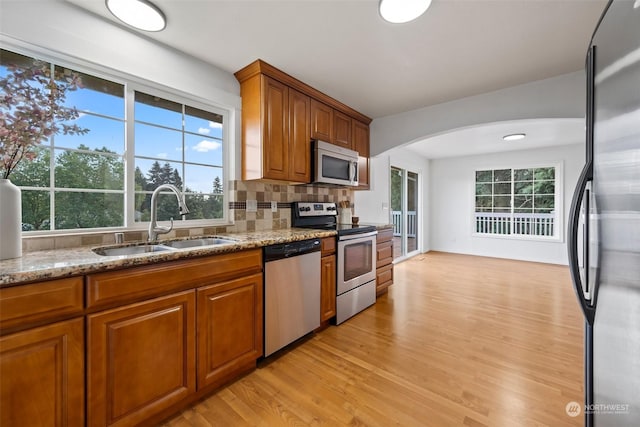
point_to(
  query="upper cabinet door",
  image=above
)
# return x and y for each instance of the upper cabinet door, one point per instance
(361, 145)
(275, 129)
(342, 130)
(321, 121)
(299, 137)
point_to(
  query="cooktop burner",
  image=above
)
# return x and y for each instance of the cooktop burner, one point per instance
(323, 216)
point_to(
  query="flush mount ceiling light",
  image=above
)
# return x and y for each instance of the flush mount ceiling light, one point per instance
(140, 14)
(514, 136)
(401, 11)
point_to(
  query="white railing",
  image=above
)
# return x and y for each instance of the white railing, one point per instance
(412, 225)
(537, 224)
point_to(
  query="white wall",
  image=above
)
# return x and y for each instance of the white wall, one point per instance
(55, 30)
(373, 206)
(558, 97)
(452, 202)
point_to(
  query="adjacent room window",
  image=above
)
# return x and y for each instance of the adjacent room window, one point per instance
(81, 181)
(517, 202)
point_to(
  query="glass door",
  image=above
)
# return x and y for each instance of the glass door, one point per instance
(404, 212)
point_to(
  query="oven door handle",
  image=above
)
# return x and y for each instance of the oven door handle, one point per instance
(357, 236)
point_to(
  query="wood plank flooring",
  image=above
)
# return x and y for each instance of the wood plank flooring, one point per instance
(458, 341)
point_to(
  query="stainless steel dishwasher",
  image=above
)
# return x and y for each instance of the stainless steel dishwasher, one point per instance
(291, 292)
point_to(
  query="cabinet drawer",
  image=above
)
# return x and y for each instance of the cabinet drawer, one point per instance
(384, 254)
(384, 235)
(384, 274)
(116, 287)
(328, 246)
(26, 305)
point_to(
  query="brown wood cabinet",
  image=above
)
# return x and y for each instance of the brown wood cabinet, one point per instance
(42, 376)
(275, 131)
(342, 130)
(361, 145)
(275, 108)
(229, 329)
(327, 279)
(140, 359)
(384, 260)
(321, 121)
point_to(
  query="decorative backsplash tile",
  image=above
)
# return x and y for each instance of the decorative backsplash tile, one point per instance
(239, 191)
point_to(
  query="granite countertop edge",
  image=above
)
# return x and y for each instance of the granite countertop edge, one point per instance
(62, 263)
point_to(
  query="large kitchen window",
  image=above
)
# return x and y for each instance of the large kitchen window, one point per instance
(522, 202)
(135, 139)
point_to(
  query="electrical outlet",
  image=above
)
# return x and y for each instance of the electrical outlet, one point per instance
(274, 206)
(252, 206)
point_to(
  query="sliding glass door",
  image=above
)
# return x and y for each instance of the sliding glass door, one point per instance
(404, 212)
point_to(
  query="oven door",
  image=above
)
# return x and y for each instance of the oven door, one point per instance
(356, 260)
(333, 167)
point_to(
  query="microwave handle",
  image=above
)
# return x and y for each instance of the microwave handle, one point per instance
(353, 170)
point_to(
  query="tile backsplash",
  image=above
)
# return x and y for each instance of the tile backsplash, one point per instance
(239, 192)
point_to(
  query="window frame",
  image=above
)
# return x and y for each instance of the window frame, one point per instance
(558, 202)
(132, 84)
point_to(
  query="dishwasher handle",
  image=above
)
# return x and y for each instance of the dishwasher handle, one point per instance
(287, 250)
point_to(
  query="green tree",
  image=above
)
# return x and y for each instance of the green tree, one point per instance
(35, 203)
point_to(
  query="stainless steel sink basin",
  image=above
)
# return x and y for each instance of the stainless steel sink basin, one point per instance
(131, 250)
(193, 243)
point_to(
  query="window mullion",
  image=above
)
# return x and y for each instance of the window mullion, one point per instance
(129, 157)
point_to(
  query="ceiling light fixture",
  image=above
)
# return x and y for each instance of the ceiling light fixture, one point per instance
(514, 136)
(401, 11)
(139, 14)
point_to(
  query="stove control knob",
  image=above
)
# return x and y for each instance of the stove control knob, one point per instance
(307, 209)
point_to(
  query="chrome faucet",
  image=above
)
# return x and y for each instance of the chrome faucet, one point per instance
(154, 228)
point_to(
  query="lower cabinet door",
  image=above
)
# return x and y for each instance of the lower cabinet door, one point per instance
(328, 288)
(141, 359)
(42, 376)
(230, 329)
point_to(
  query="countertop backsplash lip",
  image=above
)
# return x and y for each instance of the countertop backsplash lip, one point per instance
(60, 263)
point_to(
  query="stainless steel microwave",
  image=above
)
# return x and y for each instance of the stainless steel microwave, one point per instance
(334, 165)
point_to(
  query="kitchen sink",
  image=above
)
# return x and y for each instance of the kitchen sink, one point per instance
(193, 243)
(131, 250)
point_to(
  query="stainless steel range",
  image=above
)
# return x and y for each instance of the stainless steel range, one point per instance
(356, 263)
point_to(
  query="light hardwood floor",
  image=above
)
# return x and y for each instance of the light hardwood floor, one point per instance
(458, 340)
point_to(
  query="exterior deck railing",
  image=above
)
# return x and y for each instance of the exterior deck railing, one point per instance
(396, 217)
(537, 224)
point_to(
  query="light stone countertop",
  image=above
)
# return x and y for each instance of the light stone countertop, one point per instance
(60, 263)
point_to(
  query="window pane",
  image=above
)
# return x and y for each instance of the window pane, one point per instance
(502, 188)
(92, 171)
(203, 122)
(483, 202)
(88, 210)
(156, 173)
(199, 149)
(502, 201)
(543, 210)
(483, 189)
(523, 188)
(34, 173)
(35, 210)
(167, 205)
(152, 141)
(545, 187)
(544, 173)
(200, 179)
(544, 202)
(102, 133)
(202, 206)
(96, 95)
(502, 175)
(523, 174)
(523, 210)
(522, 202)
(484, 176)
(153, 109)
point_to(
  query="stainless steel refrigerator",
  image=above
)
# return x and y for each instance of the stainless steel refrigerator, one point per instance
(604, 230)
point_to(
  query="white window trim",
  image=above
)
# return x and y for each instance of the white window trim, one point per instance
(135, 83)
(558, 237)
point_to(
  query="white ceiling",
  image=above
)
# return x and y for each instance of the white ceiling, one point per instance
(487, 138)
(458, 48)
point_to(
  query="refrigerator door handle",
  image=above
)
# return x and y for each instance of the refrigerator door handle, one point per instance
(572, 240)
